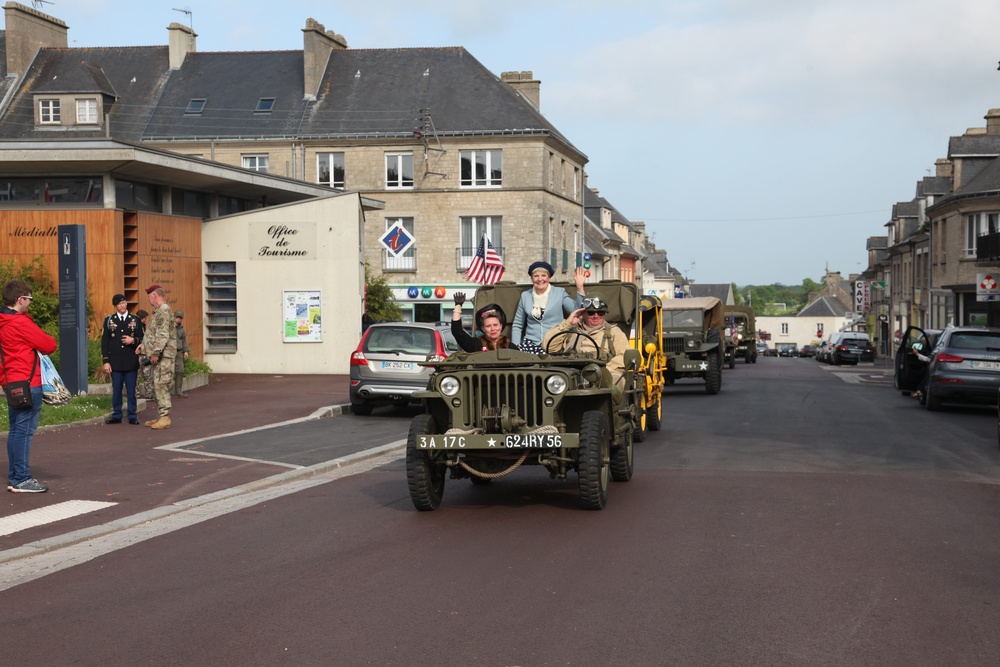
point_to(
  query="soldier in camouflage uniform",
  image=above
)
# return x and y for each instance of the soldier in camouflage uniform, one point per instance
(144, 387)
(182, 354)
(160, 345)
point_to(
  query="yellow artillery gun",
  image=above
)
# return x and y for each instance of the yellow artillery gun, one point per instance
(647, 338)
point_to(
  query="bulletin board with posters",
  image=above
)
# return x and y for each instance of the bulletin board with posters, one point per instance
(302, 316)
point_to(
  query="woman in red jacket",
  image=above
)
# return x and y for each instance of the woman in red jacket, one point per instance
(21, 340)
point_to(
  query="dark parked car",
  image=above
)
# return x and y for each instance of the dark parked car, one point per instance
(851, 350)
(964, 366)
(808, 351)
(787, 349)
(385, 368)
(762, 350)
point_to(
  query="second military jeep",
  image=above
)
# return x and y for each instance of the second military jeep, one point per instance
(488, 413)
(692, 340)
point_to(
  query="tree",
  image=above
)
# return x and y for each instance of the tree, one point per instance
(380, 304)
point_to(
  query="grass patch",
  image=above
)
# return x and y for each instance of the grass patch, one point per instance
(79, 408)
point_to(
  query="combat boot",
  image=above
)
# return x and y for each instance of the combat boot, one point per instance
(152, 421)
(161, 423)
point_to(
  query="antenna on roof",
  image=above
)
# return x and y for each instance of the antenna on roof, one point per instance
(37, 4)
(189, 13)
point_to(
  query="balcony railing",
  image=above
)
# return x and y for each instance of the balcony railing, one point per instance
(398, 263)
(463, 257)
(988, 247)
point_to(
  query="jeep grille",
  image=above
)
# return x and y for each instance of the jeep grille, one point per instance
(521, 392)
(674, 345)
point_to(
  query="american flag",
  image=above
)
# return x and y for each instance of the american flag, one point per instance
(486, 267)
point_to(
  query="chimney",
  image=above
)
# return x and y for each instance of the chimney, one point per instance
(318, 44)
(526, 85)
(29, 30)
(182, 42)
(992, 121)
(943, 168)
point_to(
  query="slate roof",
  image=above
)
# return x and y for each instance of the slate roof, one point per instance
(723, 292)
(905, 209)
(824, 306)
(976, 144)
(934, 185)
(377, 93)
(133, 75)
(364, 93)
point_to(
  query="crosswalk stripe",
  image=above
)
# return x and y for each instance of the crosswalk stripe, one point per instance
(44, 515)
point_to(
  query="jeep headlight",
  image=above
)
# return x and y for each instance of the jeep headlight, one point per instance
(556, 384)
(449, 386)
(693, 343)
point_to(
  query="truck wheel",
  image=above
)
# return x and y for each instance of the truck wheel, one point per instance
(713, 376)
(653, 414)
(424, 477)
(750, 358)
(732, 360)
(623, 460)
(590, 464)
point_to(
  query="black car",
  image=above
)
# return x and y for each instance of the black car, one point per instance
(851, 350)
(788, 349)
(964, 366)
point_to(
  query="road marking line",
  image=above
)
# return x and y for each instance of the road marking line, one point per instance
(38, 559)
(49, 514)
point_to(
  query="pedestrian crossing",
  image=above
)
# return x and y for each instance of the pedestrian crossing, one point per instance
(49, 514)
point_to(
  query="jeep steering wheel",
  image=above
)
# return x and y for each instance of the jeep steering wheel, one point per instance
(565, 353)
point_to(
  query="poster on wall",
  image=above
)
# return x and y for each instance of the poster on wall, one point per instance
(302, 316)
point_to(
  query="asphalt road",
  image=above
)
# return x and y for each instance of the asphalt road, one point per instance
(804, 516)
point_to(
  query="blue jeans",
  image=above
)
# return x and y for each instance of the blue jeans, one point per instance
(128, 378)
(22, 426)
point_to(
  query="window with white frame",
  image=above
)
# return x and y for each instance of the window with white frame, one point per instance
(819, 329)
(472, 229)
(256, 162)
(976, 225)
(406, 261)
(481, 169)
(784, 328)
(86, 111)
(48, 112)
(330, 169)
(399, 170)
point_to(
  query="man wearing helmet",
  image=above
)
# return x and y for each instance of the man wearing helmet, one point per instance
(591, 320)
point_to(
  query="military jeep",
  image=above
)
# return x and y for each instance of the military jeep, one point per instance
(741, 329)
(488, 413)
(692, 340)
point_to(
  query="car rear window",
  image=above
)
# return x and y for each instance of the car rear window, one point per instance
(974, 340)
(854, 342)
(401, 340)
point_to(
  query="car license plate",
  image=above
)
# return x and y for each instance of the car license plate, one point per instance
(525, 440)
(398, 365)
(989, 365)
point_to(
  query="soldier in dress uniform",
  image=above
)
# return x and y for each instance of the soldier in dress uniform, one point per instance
(122, 334)
(182, 354)
(160, 345)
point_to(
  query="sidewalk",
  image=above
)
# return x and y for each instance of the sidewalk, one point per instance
(120, 463)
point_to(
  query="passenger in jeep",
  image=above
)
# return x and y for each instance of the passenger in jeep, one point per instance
(490, 319)
(591, 320)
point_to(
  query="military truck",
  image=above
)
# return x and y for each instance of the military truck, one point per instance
(741, 330)
(488, 413)
(647, 337)
(692, 340)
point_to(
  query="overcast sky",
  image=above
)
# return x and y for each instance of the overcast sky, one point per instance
(759, 140)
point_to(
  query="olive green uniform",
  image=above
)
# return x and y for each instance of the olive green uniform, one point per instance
(161, 341)
(182, 347)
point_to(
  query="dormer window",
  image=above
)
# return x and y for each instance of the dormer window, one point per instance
(264, 105)
(196, 106)
(86, 111)
(48, 112)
